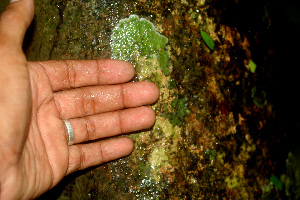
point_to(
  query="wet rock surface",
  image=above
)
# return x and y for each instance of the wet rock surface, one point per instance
(214, 136)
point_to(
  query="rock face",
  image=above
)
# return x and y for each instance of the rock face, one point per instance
(206, 141)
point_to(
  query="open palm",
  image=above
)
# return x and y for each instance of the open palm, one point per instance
(35, 97)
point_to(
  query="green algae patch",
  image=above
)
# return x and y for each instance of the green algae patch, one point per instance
(178, 112)
(259, 97)
(135, 39)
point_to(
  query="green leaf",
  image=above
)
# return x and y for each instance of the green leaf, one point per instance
(276, 181)
(252, 66)
(208, 41)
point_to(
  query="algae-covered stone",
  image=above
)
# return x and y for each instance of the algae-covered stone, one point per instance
(204, 144)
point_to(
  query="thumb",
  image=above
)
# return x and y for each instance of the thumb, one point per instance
(14, 22)
(15, 97)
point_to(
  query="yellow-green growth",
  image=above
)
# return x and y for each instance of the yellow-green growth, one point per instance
(136, 37)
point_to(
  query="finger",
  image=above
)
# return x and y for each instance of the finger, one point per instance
(82, 156)
(14, 22)
(74, 73)
(112, 123)
(98, 99)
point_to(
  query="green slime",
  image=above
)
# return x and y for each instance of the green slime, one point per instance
(136, 37)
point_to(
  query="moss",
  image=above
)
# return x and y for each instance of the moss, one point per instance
(259, 97)
(232, 182)
(167, 128)
(147, 69)
(237, 177)
(179, 109)
(163, 59)
(171, 84)
(212, 154)
(135, 38)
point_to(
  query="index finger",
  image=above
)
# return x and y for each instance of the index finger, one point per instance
(68, 74)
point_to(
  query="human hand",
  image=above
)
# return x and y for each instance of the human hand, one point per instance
(35, 97)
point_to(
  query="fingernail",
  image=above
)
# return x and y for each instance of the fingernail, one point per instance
(11, 1)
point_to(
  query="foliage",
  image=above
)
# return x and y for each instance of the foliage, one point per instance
(252, 66)
(208, 41)
(276, 181)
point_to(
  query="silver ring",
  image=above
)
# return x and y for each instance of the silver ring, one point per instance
(70, 132)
